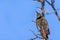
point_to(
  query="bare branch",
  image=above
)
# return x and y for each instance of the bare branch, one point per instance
(36, 35)
(52, 5)
(39, 0)
(43, 4)
(52, 2)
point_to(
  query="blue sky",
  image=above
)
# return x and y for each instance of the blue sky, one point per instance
(16, 19)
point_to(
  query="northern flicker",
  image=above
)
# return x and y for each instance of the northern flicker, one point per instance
(41, 21)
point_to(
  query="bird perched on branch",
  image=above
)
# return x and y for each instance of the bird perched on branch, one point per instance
(42, 22)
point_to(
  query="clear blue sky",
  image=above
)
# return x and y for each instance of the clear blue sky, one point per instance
(16, 20)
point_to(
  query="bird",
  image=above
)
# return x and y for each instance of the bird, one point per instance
(41, 21)
(38, 22)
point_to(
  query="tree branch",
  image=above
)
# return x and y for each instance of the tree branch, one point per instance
(52, 5)
(36, 35)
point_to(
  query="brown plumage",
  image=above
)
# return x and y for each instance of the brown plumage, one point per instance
(42, 22)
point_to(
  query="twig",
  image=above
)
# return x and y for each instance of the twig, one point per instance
(43, 4)
(52, 5)
(35, 35)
